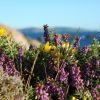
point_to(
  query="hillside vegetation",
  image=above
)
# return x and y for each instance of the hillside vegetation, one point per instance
(55, 70)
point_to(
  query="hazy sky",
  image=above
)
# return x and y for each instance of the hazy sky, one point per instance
(72, 13)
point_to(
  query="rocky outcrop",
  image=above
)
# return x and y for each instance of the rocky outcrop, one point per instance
(19, 37)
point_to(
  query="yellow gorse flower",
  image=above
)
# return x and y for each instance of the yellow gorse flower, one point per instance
(2, 31)
(65, 45)
(84, 98)
(72, 51)
(74, 98)
(41, 47)
(53, 50)
(47, 47)
(55, 53)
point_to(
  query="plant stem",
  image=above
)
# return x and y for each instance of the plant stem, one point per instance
(58, 70)
(21, 68)
(45, 71)
(67, 89)
(32, 69)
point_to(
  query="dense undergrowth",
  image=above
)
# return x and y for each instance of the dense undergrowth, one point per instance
(56, 70)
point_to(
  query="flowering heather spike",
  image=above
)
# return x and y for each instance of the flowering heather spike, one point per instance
(20, 54)
(85, 50)
(95, 62)
(62, 75)
(53, 89)
(95, 93)
(87, 73)
(57, 40)
(41, 93)
(50, 62)
(76, 42)
(46, 33)
(65, 37)
(10, 69)
(76, 81)
(31, 47)
(20, 59)
(2, 59)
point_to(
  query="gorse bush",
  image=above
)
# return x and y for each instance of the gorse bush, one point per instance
(56, 70)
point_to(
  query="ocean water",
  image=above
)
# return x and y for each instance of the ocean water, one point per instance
(85, 37)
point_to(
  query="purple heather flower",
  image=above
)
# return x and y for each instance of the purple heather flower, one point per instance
(46, 33)
(85, 50)
(2, 59)
(54, 89)
(57, 39)
(31, 47)
(95, 61)
(50, 62)
(20, 54)
(87, 73)
(65, 37)
(50, 67)
(62, 75)
(87, 83)
(77, 39)
(10, 68)
(95, 94)
(76, 80)
(76, 42)
(41, 93)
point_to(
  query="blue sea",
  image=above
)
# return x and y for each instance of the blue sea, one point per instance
(85, 37)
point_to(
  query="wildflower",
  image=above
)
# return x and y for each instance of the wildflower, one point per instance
(2, 59)
(85, 50)
(2, 31)
(31, 47)
(65, 45)
(76, 42)
(41, 47)
(54, 89)
(76, 81)
(50, 62)
(87, 73)
(55, 54)
(57, 39)
(50, 67)
(41, 93)
(74, 98)
(95, 61)
(46, 33)
(72, 51)
(47, 47)
(20, 54)
(53, 50)
(95, 93)
(62, 75)
(66, 37)
(10, 68)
